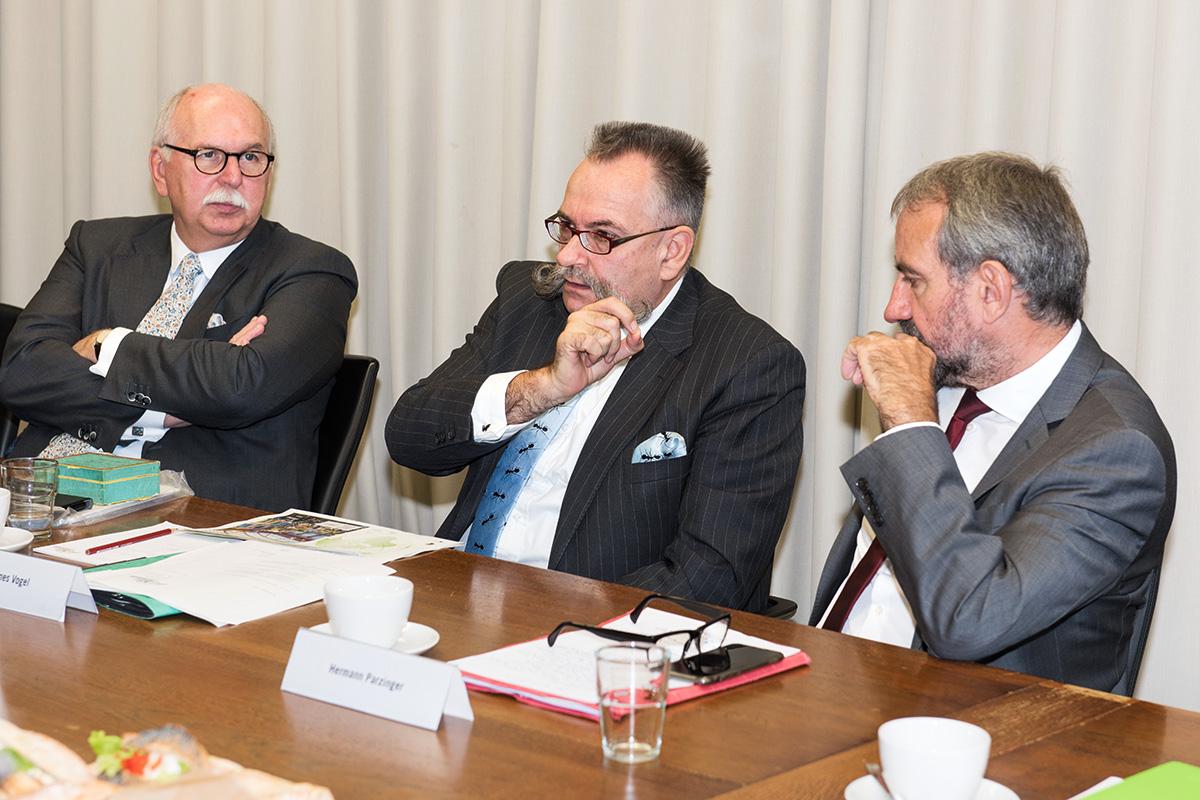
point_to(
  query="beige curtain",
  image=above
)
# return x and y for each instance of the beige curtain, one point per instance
(428, 139)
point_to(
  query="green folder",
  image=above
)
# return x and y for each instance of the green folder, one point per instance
(1173, 780)
(135, 605)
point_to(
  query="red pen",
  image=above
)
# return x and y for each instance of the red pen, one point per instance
(91, 551)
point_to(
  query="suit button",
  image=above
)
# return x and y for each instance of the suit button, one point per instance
(439, 438)
(877, 518)
(861, 484)
(131, 396)
(450, 436)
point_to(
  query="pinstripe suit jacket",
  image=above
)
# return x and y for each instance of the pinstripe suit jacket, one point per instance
(1050, 566)
(704, 525)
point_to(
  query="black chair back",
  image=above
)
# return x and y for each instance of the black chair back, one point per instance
(1141, 632)
(8, 423)
(342, 429)
(780, 607)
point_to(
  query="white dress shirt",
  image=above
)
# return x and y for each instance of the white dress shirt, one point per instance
(150, 427)
(882, 612)
(529, 532)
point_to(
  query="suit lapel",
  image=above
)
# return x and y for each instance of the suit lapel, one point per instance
(635, 397)
(138, 276)
(196, 321)
(1058, 401)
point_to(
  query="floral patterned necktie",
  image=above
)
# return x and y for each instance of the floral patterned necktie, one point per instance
(163, 319)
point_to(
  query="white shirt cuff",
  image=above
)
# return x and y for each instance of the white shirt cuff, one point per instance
(153, 425)
(489, 418)
(903, 427)
(108, 351)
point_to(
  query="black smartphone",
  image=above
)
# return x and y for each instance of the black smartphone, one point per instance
(724, 662)
(73, 502)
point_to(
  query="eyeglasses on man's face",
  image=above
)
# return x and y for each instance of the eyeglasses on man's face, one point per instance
(680, 644)
(211, 161)
(596, 242)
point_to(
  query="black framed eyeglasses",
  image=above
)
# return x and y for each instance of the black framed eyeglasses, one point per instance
(596, 242)
(679, 644)
(211, 161)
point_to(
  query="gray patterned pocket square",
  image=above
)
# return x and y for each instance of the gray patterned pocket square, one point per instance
(660, 447)
(215, 321)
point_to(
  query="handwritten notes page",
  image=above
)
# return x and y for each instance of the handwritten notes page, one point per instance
(238, 582)
(563, 677)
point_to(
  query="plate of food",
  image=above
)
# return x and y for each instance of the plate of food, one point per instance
(164, 762)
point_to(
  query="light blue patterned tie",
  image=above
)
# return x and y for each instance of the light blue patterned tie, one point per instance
(509, 477)
(163, 319)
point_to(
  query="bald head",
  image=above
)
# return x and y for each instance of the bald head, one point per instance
(198, 97)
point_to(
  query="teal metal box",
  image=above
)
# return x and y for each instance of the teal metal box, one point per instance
(107, 478)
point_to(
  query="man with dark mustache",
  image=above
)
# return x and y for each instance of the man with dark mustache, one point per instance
(1029, 533)
(205, 339)
(619, 416)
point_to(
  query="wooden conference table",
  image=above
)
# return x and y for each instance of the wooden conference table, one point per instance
(803, 734)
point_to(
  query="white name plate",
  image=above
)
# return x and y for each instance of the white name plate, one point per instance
(42, 588)
(409, 689)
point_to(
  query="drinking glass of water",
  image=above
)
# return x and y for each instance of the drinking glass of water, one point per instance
(33, 482)
(631, 679)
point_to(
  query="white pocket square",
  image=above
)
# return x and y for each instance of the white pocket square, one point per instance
(215, 321)
(660, 447)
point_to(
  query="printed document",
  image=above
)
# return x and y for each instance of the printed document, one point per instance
(228, 584)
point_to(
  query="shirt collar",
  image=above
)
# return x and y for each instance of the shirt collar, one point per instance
(210, 260)
(661, 307)
(1013, 398)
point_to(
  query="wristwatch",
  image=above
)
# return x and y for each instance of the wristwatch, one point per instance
(99, 340)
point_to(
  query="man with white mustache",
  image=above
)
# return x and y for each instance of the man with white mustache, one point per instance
(665, 419)
(206, 339)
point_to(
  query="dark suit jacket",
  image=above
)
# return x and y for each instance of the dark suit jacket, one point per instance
(704, 525)
(254, 410)
(1051, 565)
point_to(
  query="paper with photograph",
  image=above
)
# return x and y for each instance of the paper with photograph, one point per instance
(332, 534)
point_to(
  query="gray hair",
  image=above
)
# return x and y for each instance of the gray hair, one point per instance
(164, 130)
(1006, 208)
(680, 160)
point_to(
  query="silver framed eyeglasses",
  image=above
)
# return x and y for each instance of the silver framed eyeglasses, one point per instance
(211, 161)
(596, 242)
(708, 636)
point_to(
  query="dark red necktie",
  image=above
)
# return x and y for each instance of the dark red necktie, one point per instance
(968, 409)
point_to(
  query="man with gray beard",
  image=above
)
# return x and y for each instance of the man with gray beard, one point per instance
(1015, 508)
(619, 416)
(206, 339)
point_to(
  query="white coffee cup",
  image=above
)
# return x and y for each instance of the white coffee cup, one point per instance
(933, 758)
(5, 503)
(369, 608)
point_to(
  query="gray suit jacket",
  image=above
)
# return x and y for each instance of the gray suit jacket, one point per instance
(254, 410)
(1051, 565)
(704, 525)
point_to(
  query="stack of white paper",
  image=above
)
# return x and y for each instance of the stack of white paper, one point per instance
(231, 583)
(563, 677)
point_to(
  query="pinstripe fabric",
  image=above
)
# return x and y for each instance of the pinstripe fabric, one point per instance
(1051, 565)
(704, 525)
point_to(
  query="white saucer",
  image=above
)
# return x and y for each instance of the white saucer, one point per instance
(867, 788)
(14, 539)
(416, 639)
